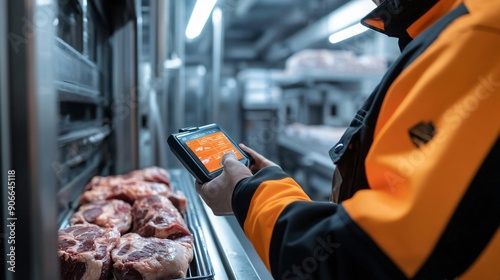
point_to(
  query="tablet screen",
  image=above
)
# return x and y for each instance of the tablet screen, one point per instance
(210, 148)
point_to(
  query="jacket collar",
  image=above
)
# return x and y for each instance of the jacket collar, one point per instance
(406, 19)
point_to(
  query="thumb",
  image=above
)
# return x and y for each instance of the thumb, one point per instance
(233, 169)
(228, 156)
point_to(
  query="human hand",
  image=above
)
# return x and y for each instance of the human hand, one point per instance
(218, 193)
(260, 160)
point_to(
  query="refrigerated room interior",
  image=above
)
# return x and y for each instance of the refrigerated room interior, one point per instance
(94, 88)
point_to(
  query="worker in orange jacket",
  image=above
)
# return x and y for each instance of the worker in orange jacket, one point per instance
(416, 190)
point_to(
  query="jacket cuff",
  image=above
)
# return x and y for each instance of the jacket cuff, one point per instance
(245, 190)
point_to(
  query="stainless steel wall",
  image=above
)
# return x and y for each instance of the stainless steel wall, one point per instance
(30, 139)
(4, 129)
(125, 98)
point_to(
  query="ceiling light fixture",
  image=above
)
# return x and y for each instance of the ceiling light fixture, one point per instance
(217, 15)
(201, 12)
(347, 33)
(173, 63)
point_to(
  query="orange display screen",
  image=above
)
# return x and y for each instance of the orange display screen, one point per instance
(210, 149)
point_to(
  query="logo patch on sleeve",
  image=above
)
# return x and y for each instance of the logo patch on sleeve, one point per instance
(422, 133)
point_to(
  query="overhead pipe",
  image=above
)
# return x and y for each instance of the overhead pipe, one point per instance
(158, 99)
(159, 27)
(179, 100)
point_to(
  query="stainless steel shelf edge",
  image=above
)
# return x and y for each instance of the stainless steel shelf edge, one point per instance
(236, 261)
(324, 76)
(320, 159)
(74, 93)
(84, 74)
(93, 135)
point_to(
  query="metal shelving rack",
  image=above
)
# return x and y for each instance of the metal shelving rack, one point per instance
(53, 96)
(317, 99)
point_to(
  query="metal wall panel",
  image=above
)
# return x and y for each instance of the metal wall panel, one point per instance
(4, 132)
(32, 135)
(125, 104)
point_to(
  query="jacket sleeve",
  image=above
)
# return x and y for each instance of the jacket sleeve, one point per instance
(431, 208)
(300, 239)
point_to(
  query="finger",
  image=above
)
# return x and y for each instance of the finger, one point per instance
(234, 170)
(209, 190)
(260, 160)
(198, 185)
(230, 164)
(200, 188)
(256, 156)
(249, 150)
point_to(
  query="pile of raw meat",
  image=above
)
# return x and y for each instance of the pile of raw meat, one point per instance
(130, 227)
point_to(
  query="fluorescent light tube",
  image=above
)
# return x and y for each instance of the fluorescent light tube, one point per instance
(173, 63)
(217, 15)
(347, 33)
(201, 12)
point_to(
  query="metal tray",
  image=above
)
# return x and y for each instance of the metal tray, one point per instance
(201, 267)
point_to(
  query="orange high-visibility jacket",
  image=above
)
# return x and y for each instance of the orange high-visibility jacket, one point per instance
(419, 165)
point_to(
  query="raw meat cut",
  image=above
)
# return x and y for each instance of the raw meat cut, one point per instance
(131, 189)
(110, 181)
(106, 213)
(151, 174)
(150, 258)
(156, 216)
(128, 191)
(179, 200)
(85, 251)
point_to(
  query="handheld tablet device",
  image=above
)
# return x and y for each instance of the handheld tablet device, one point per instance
(200, 150)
